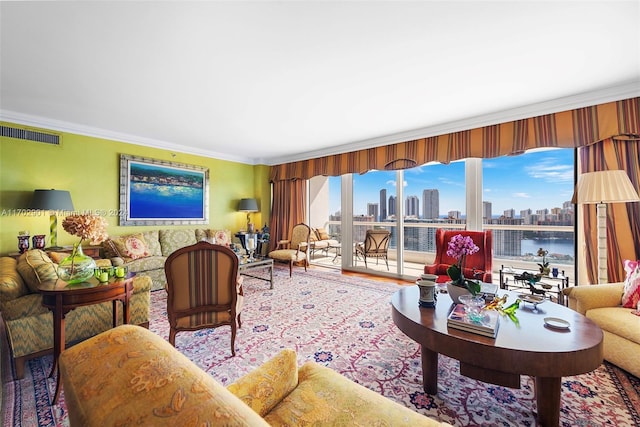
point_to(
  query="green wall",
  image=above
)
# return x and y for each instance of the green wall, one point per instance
(89, 168)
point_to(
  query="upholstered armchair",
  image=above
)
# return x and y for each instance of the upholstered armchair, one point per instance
(295, 249)
(375, 245)
(477, 266)
(204, 289)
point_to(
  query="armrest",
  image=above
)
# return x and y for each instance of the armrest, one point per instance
(264, 387)
(283, 244)
(585, 297)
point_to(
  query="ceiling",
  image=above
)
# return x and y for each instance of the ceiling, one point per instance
(270, 82)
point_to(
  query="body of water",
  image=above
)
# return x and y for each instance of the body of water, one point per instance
(554, 246)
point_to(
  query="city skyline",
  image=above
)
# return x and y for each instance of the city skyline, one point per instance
(535, 180)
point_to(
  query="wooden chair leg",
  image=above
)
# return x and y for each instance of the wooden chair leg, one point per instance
(290, 268)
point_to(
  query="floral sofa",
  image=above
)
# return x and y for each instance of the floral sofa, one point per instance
(152, 383)
(29, 325)
(144, 253)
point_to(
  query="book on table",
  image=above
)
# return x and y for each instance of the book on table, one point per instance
(486, 323)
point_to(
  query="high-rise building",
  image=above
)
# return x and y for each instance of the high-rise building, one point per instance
(430, 204)
(392, 206)
(383, 204)
(510, 213)
(412, 207)
(372, 210)
(454, 214)
(486, 211)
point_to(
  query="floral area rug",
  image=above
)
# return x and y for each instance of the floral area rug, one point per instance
(345, 323)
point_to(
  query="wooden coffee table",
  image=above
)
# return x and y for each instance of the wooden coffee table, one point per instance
(531, 349)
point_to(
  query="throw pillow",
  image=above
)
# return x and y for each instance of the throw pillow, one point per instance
(631, 294)
(219, 237)
(36, 267)
(131, 247)
(322, 234)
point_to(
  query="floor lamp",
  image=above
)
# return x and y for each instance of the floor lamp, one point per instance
(600, 188)
(52, 200)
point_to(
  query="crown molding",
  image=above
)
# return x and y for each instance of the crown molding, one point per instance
(601, 96)
(62, 126)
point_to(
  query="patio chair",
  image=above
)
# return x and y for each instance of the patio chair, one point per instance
(375, 245)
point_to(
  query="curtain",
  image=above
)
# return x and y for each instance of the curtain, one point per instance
(567, 129)
(289, 202)
(623, 219)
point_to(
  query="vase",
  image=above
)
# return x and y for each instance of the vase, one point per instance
(77, 267)
(38, 241)
(545, 271)
(455, 292)
(427, 286)
(23, 243)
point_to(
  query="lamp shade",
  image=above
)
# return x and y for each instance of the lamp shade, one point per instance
(51, 200)
(248, 205)
(611, 186)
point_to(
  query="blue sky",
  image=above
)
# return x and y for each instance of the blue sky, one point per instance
(534, 180)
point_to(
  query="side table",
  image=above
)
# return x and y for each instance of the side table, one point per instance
(60, 298)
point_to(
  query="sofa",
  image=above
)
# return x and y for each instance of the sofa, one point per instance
(603, 304)
(144, 253)
(29, 325)
(130, 376)
(319, 240)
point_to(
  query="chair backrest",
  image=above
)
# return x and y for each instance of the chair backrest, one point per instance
(300, 234)
(201, 285)
(481, 260)
(376, 242)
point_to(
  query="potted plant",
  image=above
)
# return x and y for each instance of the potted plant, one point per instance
(459, 247)
(544, 265)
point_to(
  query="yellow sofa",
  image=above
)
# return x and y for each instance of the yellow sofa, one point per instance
(130, 376)
(603, 304)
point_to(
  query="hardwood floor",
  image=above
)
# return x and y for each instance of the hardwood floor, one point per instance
(393, 280)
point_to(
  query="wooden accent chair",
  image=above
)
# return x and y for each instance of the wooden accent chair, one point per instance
(204, 289)
(375, 245)
(295, 249)
(477, 266)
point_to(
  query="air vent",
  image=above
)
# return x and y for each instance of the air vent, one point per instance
(30, 135)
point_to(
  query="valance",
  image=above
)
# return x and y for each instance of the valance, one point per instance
(566, 129)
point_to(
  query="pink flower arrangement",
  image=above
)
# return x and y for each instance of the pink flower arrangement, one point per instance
(459, 247)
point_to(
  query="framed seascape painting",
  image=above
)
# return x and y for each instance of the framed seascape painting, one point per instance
(159, 192)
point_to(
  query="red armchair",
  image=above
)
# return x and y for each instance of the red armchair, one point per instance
(477, 266)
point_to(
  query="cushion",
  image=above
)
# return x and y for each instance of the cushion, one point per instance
(631, 294)
(103, 375)
(218, 237)
(131, 247)
(324, 397)
(11, 284)
(153, 242)
(172, 240)
(36, 267)
(322, 234)
(268, 384)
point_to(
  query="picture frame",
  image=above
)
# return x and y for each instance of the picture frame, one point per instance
(160, 192)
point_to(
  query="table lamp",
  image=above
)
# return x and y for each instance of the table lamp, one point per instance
(248, 206)
(600, 188)
(52, 200)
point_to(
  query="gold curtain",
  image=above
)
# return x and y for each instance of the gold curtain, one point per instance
(623, 219)
(289, 201)
(567, 129)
